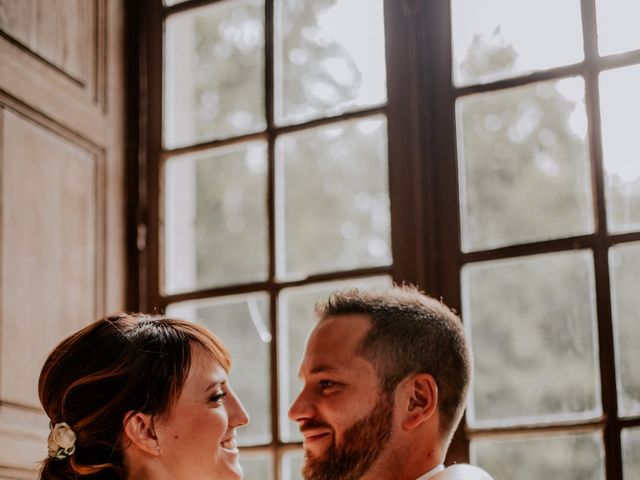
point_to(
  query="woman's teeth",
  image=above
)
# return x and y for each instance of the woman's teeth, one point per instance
(229, 444)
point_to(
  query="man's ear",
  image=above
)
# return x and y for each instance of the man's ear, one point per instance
(139, 430)
(420, 400)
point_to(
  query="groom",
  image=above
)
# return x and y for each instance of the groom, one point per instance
(385, 378)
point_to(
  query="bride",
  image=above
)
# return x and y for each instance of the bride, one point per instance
(137, 397)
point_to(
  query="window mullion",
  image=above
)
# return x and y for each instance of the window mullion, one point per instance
(406, 159)
(613, 448)
(441, 172)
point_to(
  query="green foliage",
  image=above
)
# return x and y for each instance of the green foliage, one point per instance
(525, 171)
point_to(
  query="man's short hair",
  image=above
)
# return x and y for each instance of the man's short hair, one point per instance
(411, 333)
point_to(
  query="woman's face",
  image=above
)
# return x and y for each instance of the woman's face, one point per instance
(197, 437)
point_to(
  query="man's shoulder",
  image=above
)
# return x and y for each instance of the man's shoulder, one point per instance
(462, 472)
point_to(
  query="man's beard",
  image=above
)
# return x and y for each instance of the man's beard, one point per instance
(361, 445)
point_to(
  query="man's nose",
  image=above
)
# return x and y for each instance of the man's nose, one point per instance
(302, 407)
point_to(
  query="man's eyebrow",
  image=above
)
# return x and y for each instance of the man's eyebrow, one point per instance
(323, 369)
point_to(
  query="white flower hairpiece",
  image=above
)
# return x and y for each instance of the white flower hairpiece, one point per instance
(61, 441)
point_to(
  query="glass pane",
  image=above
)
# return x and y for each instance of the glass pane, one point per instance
(568, 457)
(535, 350)
(214, 72)
(333, 198)
(624, 262)
(295, 322)
(256, 466)
(292, 465)
(620, 112)
(242, 322)
(325, 66)
(631, 453)
(524, 165)
(495, 39)
(618, 25)
(215, 210)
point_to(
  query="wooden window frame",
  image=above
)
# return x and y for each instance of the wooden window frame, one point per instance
(149, 17)
(442, 96)
(423, 185)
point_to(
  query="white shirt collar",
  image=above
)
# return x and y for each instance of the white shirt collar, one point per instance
(431, 472)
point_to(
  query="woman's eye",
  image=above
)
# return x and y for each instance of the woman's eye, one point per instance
(218, 398)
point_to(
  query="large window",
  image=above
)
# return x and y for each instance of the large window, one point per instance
(486, 150)
(268, 185)
(544, 99)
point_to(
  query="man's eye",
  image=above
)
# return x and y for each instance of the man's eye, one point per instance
(218, 398)
(324, 384)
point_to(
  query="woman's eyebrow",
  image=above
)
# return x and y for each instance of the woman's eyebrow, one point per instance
(215, 385)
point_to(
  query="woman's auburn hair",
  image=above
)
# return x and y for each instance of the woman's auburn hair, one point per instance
(118, 365)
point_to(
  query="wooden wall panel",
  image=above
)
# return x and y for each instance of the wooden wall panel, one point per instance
(62, 194)
(49, 248)
(61, 32)
(53, 58)
(24, 442)
(112, 81)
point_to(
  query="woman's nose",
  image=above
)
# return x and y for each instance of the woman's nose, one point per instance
(238, 416)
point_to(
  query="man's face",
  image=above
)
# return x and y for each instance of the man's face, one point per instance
(344, 419)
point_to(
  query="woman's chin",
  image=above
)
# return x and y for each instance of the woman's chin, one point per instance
(232, 464)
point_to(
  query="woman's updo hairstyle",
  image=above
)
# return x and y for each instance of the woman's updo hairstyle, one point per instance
(119, 364)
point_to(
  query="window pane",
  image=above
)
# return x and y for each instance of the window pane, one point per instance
(216, 218)
(631, 453)
(325, 66)
(214, 72)
(332, 193)
(292, 465)
(618, 25)
(523, 165)
(242, 322)
(624, 262)
(568, 457)
(534, 349)
(295, 322)
(494, 39)
(620, 111)
(256, 466)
